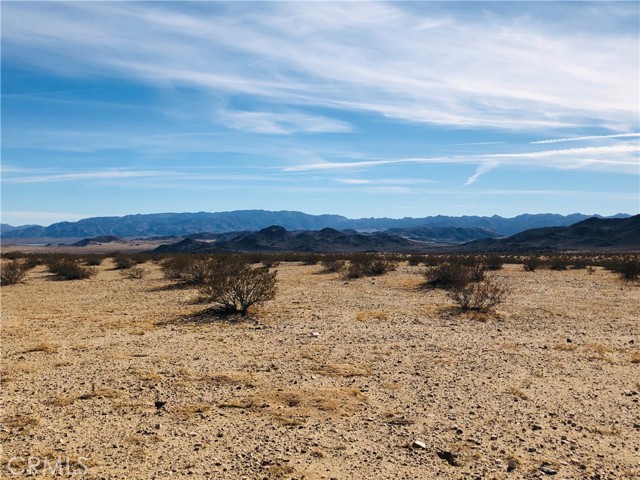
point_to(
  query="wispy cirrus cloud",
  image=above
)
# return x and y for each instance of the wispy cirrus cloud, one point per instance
(620, 158)
(588, 137)
(281, 123)
(406, 61)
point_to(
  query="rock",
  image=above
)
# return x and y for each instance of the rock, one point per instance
(512, 464)
(536, 427)
(548, 469)
(314, 334)
(419, 444)
(159, 404)
(450, 457)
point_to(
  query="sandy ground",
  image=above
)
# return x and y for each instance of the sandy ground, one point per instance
(336, 379)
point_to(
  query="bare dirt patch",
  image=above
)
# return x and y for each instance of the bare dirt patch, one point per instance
(366, 378)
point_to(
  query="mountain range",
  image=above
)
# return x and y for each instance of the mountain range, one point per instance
(182, 224)
(591, 234)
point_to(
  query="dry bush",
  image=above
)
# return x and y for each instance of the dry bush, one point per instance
(187, 269)
(311, 259)
(333, 265)
(13, 272)
(494, 262)
(70, 269)
(369, 265)
(558, 263)
(415, 260)
(93, 260)
(134, 273)
(530, 264)
(480, 296)
(450, 275)
(235, 286)
(629, 270)
(123, 261)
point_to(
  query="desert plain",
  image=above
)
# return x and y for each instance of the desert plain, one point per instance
(370, 378)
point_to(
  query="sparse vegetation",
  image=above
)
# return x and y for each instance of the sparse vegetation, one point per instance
(134, 273)
(448, 275)
(531, 263)
(493, 262)
(369, 265)
(630, 270)
(480, 296)
(65, 268)
(333, 265)
(415, 260)
(234, 286)
(13, 272)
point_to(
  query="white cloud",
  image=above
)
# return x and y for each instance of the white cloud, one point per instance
(481, 170)
(425, 63)
(589, 137)
(285, 123)
(617, 158)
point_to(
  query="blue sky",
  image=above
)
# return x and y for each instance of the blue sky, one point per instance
(356, 108)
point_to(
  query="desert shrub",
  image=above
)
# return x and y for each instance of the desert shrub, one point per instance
(270, 262)
(369, 265)
(70, 269)
(134, 273)
(13, 272)
(480, 296)
(93, 260)
(629, 270)
(530, 264)
(175, 267)
(197, 270)
(558, 263)
(333, 265)
(122, 261)
(493, 262)
(476, 273)
(188, 269)
(579, 263)
(449, 275)
(311, 259)
(234, 286)
(415, 260)
(13, 255)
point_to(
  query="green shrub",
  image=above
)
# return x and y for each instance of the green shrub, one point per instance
(234, 286)
(13, 272)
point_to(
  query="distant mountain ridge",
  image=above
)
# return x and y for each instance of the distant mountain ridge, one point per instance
(277, 239)
(591, 234)
(168, 224)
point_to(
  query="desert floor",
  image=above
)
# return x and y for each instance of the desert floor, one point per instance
(335, 379)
